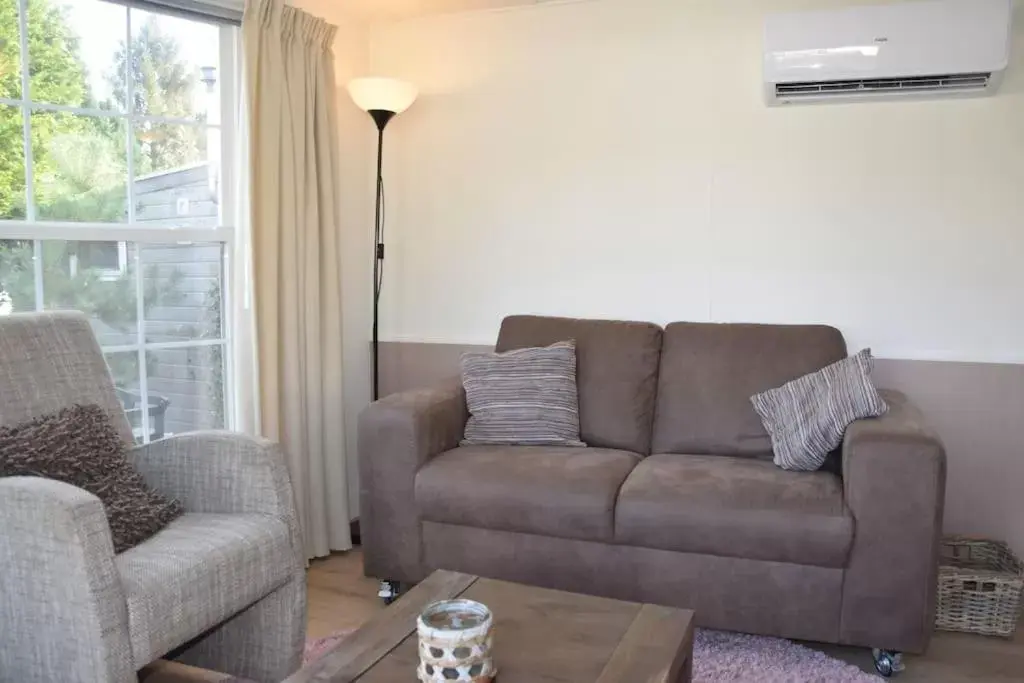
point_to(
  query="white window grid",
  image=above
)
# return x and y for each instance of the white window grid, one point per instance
(37, 231)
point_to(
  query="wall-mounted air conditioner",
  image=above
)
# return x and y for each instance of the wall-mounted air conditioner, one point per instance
(911, 49)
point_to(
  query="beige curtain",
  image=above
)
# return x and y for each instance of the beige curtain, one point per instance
(295, 259)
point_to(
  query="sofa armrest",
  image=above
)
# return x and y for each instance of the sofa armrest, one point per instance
(222, 472)
(398, 435)
(63, 613)
(894, 478)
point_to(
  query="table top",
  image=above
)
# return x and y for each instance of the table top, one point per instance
(540, 636)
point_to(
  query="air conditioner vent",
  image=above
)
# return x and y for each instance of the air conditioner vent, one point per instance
(967, 82)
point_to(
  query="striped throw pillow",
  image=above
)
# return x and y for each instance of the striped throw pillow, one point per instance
(525, 397)
(806, 418)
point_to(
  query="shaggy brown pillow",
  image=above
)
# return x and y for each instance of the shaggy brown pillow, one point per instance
(79, 446)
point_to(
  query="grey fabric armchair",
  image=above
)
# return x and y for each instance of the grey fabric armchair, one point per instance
(222, 587)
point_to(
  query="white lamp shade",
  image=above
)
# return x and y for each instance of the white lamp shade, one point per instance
(385, 94)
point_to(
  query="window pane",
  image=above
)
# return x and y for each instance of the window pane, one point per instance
(175, 67)
(106, 295)
(79, 165)
(10, 50)
(103, 257)
(182, 291)
(189, 383)
(76, 52)
(177, 182)
(17, 281)
(124, 368)
(12, 160)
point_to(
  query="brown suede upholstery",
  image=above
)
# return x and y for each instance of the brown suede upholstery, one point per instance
(710, 371)
(850, 560)
(616, 373)
(397, 435)
(734, 507)
(770, 598)
(563, 491)
(894, 472)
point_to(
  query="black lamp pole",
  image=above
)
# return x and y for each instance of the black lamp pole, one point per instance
(381, 118)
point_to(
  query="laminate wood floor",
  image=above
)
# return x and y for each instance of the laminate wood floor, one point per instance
(340, 597)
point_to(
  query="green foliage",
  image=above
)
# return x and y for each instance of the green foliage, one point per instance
(56, 72)
(79, 162)
(213, 316)
(12, 164)
(161, 86)
(16, 273)
(87, 182)
(56, 75)
(10, 53)
(111, 300)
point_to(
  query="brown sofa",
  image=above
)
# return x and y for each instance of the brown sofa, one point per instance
(676, 499)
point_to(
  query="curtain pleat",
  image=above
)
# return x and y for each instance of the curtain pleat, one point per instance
(296, 278)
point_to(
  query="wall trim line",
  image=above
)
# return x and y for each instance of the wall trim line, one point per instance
(932, 355)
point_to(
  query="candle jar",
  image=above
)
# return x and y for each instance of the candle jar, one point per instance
(455, 642)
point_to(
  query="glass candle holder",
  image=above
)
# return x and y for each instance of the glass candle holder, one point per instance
(455, 643)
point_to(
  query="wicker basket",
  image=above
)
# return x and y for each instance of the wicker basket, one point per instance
(979, 587)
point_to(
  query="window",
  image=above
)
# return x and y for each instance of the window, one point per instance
(109, 260)
(115, 193)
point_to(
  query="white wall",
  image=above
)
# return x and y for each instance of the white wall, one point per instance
(613, 158)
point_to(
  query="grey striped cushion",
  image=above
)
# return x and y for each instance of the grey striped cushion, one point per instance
(806, 418)
(522, 397)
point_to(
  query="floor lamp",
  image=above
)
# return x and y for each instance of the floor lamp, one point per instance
(382, 99)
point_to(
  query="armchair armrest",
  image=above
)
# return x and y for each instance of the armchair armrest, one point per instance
(398, 435)
(894, 479)
(222, 472)
(63, 613)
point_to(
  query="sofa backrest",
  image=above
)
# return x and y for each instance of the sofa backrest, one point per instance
(616, 373)
(710, 371)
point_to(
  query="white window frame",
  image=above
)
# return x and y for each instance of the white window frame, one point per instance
(38, 231)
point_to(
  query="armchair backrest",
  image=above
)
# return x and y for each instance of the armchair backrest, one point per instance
(49, 361)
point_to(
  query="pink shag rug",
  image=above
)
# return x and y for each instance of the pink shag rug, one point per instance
(315, 649)
(721, 657)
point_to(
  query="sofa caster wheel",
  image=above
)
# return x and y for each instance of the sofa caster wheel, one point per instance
(888, 663)
(388, 591)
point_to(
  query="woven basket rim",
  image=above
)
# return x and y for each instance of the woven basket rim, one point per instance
(949, 570)
(948, 565)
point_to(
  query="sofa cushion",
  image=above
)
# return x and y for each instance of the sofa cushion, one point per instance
(734, 507)
(807, 417)
(710, 371)
(196, 573)
(616, 373)
(524, 397)
(550, 490)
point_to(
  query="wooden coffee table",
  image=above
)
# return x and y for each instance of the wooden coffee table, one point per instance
(541, 636)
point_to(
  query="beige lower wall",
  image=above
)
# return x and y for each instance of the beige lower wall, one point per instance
(977, 409)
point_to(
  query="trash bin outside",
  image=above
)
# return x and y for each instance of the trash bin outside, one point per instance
(132, 402)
